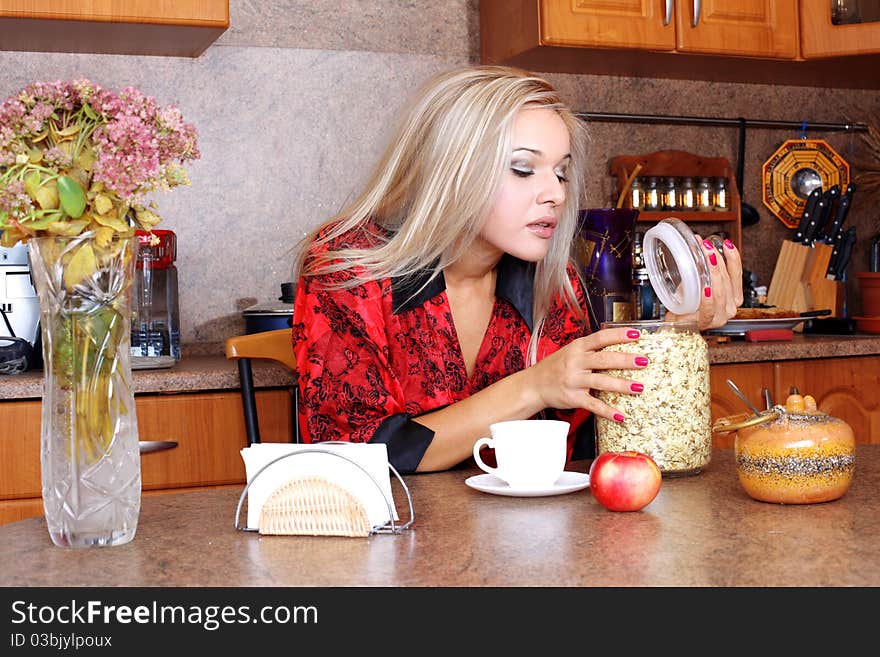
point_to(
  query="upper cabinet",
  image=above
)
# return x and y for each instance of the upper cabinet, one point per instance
(831, 28)
(180, 28)
(759, 41)
(751, 28)
(746, 28)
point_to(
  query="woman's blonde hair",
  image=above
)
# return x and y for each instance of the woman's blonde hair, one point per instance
(438, 178)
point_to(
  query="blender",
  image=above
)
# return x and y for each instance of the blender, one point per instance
(155, 327)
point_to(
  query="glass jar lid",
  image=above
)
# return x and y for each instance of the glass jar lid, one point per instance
(676, 265)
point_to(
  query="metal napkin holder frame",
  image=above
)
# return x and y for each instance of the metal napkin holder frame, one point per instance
(389, 528)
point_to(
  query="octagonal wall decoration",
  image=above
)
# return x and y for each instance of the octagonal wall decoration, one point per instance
(796, 169)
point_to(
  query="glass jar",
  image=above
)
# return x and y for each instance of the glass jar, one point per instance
(722, 195)
(670, 193)
(670, 419)
(637, 194)
(687, 195)
(705, 196)
(652, 201)
(790, 456)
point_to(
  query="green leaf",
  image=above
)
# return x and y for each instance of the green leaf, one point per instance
(32, 183)
(73, 198)
(43, 222)
(90, 112)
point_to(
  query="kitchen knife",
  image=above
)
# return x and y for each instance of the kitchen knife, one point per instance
(809, 210)
(846, 249)
(831, 272)
(840, 214)
(830, 197)
(812, 227)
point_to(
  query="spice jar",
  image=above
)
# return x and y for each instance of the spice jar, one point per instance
(705, 196)
(792, 454)
(687, 195)
(670, 420)
(636, 194)
(722, 195)
(670, 193)
(651, 201)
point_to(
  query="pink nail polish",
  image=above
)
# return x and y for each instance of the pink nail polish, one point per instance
(636, 387)
(713, 259)
(729, 244)
(708, 292)
(641, 361)
(618, 417)
(632, 334)
(709, 246)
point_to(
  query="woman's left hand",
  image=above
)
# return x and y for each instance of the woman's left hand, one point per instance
(725, 292)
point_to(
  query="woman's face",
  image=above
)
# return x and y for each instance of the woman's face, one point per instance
(525, 213)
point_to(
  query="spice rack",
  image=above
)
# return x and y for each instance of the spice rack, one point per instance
(682, 164)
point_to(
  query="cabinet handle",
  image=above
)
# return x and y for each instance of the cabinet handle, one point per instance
(667, 19)
(697, 6)
(148, 446)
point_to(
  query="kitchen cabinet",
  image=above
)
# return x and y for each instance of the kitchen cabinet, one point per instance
(207, 426)
(848, 388)
(820, 37)
(751, 41)
(682, 164)
(749, 28)
(181, 28)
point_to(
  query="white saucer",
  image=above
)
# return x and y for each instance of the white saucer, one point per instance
(568, 482)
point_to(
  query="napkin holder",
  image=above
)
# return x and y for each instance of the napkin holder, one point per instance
(312, 504)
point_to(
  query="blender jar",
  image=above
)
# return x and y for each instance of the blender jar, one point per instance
(155, 329)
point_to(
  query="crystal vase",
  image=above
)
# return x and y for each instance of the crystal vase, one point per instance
(90, 457)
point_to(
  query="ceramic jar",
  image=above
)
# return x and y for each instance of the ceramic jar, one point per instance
(795, 456)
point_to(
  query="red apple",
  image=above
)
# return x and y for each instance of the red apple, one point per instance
(624, 481)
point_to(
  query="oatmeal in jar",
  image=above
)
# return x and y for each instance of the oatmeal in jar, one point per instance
(671, 420)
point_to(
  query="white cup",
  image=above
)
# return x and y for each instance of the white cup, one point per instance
(530, 453)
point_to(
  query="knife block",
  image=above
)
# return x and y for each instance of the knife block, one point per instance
(799, 282)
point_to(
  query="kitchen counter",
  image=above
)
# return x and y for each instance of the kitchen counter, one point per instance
(213, 372)
(699, 531)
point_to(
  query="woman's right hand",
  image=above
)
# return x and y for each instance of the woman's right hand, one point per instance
(566, 378)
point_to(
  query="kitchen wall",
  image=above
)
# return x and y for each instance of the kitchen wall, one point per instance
(295, 101)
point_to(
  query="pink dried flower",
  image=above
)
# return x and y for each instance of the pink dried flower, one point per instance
(125, 141)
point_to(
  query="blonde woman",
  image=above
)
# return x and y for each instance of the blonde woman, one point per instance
(443, 298)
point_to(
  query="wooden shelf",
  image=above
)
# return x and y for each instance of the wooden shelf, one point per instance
(682, 164)
(687, 216)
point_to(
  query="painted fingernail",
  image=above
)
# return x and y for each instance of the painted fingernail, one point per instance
(641, 361)
(632, 334)
(618, 417)
(708, 292)
(729, 244)
(636, 387)
(709, 246)
(713, 259)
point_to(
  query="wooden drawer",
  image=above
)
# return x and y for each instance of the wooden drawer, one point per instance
(208, 427)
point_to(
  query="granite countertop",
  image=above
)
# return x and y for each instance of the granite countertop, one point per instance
(701, 530)
(215, 372)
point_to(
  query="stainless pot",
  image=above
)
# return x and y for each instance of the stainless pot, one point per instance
(271, 315)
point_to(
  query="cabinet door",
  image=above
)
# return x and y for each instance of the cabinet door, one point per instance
(208, 428)
(822, 38)
(747, 28)
(848, 388)
(751, 378)
(638, 24)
